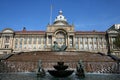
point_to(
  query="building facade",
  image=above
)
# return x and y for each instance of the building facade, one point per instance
(60, 31)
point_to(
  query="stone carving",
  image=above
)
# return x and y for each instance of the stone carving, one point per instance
(80, 69)
(40, 70)
(55, 47)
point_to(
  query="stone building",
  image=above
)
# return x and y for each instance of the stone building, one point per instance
(60, 31)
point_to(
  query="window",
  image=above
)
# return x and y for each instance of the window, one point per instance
(16, 43)
(77, 39)
(39, 40)
(81, 46)
(30, 40)
(6, 46)
(21, 40)
(95, 40)
(71, 41)
(81, 40)
(7, 38)
(49, 39)
(44, 40)
(85, 40)
(25, 41)
(90, 40)
(34, 40)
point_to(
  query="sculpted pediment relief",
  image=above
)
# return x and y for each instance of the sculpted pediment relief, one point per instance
(112, 31)
(7, 31)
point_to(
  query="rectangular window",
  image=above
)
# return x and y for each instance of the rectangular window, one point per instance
(71, 41)
(16, 43)
(30, 40)
(77, 47)
(25, 41)
(34, 40)
(77, 39)
(81, 40)
(39, 40)
(21, 40)
(49, 39)
(81, 46)
(95, 40)
(6, 46)
(85, 40)
(90, 40)
(44, 40)
(7, 38)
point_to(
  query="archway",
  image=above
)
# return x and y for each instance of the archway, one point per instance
(60, 36)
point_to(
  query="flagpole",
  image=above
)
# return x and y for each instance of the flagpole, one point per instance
(50, 14)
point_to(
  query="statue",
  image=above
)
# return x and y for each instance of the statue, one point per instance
(80, 70)
(57, 48)
(40, 70)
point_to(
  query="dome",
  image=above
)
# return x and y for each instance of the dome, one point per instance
(60, 19)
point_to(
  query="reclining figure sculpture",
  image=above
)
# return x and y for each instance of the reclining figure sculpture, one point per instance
(55, 47)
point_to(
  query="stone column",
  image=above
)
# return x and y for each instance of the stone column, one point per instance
(37, 42)
(79, 43)
(13, 47)
(83, 42)
(74, 43)
(98, 47)
(88, 43)
(47, 41)
(3, 41)
(93, 43)
(68, 42)
(10, 41)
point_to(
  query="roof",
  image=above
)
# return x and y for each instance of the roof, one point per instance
(115, 27)
(29, 32)
(90, 32)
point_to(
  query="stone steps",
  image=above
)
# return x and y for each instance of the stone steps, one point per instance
(57, 56)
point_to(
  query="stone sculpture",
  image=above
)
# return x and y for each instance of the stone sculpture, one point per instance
(55, 47)
(40, 70)
(80, 69)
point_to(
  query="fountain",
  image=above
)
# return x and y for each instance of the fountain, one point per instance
(40, 71)
(80, 70)
(60, 70)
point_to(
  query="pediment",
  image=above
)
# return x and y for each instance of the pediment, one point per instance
(112, 31)
(7, 30)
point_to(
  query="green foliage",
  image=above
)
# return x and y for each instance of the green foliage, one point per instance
(117, 41)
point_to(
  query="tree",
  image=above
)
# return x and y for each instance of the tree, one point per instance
(117, 42)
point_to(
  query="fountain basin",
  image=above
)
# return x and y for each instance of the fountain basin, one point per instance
(57, 67)
(61, 73)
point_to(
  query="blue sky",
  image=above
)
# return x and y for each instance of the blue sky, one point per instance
(86, 15)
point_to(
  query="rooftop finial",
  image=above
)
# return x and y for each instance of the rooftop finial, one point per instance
(60, 12)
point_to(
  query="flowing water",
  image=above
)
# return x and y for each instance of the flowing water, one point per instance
(32, 76)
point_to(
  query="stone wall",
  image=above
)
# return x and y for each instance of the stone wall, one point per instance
(92, 67)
